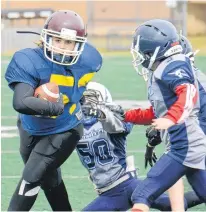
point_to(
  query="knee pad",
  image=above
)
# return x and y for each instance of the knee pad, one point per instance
(32, 176)
(35, 169)
(28, 189)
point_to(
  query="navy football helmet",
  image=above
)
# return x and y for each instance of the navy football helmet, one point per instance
(187, 48)
(154, 41)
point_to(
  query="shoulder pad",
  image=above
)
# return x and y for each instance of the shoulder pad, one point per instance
(36, 56)
(21, 69)
(172, 63)
(91, 58)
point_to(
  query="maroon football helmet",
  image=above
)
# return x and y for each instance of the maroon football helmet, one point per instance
(66, 25)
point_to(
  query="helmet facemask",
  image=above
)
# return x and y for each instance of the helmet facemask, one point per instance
(146, 60)
(138, 57)
(58, 55)
(93, 97)
(96, 95)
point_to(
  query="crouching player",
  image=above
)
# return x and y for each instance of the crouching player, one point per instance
(102, 151)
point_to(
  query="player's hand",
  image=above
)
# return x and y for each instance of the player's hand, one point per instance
(153, 136)
(150, 156)
(57, 108)
(162, 123)
(93, 112)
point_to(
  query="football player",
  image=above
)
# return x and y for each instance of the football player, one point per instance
(176, 192)
(102, 151)
(49, 132)
(188, 50)
(174, 95)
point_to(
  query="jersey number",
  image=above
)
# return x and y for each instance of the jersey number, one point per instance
(97, 153)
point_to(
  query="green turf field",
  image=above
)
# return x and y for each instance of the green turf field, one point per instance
(119, 76)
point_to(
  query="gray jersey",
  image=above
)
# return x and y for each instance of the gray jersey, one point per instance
(102, 149)
(201, 78)
(202, 88)
(187, 139)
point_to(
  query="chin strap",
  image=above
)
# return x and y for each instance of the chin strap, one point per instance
(28, 32)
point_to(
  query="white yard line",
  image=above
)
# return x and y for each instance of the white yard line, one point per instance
(9, 135)
(64, 177)
(15, 151)
(9, 117)
(8, 128)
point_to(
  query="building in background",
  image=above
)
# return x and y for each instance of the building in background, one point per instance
(110, 23)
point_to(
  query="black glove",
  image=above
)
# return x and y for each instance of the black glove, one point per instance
(117, 110)
(56, 108)
(153, 136)
(93, 112)
(150, 156)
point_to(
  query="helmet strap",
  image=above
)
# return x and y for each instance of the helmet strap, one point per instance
(152, 59)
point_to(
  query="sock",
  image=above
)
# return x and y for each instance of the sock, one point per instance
(58, 198)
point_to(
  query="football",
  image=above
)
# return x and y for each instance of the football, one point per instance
(48, 91)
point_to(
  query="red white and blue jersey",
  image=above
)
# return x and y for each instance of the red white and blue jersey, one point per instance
(173, 91)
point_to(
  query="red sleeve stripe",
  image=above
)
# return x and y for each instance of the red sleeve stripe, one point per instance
(191, 99)
(181, 109)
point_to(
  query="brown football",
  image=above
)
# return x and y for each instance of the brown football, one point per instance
(48, 91)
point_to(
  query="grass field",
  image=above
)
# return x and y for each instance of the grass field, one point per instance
(119, 76)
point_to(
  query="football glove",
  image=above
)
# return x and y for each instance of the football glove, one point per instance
(93, 112)
(150, 156)
(56, 108)
(153, 136)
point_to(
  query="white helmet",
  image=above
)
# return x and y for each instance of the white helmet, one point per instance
(97, 93)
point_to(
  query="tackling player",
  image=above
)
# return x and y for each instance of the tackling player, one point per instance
(102, 151)
(46, 141)
(176, 192)
(173, 94)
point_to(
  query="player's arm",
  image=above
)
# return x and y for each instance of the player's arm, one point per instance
(23, 78)
(135, 116)
(181, 83)
(24, 102)
(139, 116)
(112, 124)
(186, 99)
